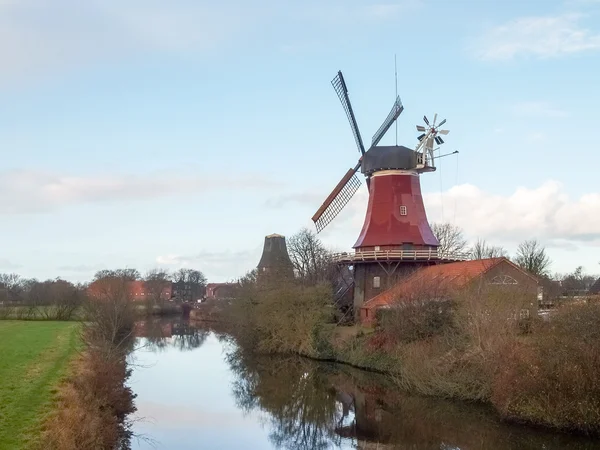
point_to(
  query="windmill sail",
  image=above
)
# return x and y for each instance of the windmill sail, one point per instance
(392, 116)
(339, 197)
(342, 91)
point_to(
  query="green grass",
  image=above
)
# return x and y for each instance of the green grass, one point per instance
(33, 358)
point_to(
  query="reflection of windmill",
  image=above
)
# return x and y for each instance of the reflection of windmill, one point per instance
(395, 229)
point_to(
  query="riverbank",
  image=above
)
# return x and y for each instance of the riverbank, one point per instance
(93, 403)
(35, 356)
(539, 373)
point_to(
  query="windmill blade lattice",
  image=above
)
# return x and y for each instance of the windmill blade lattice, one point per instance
(339, 197)
(387, 123)
(342, 91)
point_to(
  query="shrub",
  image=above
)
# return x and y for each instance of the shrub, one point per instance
(274, 315)
(552, 379)
(412, 321)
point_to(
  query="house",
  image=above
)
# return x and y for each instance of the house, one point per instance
(441, 281)
(186, 291)
(220, 290)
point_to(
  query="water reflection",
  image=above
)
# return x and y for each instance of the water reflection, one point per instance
(227, 398)
(320, 406)
(162, 333)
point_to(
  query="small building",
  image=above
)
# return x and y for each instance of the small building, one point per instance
(441, 281)
(141, 290)
(187, 292)
(220, 290)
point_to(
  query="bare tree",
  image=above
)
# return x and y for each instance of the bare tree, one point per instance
(11, 287)
(311, 260)
(482, 250)
(123, 274)
(155, 282)
(576, 282)
(532, 257)
(188, 284)
(451, 238)
(192, 276)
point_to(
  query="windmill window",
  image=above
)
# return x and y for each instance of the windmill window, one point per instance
(377, 248)
(403, 210)
(376, 282)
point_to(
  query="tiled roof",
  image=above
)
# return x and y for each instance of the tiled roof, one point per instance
(442, 276)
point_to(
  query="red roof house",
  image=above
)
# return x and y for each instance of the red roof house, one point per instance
(442, 280)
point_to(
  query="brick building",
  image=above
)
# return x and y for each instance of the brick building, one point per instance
(187, 292)
(440, 282)
(138, 290)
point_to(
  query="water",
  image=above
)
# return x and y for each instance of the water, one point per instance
(196, 390)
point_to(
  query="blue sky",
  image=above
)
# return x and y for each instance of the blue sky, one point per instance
(149, 133)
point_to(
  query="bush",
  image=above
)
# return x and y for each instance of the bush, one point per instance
(552, 379)
(271, 315)
(412, 321)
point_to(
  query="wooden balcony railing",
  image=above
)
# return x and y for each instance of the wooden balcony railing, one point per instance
(398, 255)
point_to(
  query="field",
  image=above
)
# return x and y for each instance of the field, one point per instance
(33, 358)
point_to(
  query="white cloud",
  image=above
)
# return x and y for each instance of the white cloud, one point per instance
(5, 264)
(40, 36)
(216, 265)
(543, 37)
(545, 212)
(26, 191)
(538, 109)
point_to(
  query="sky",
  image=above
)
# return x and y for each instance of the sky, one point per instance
(178, 134)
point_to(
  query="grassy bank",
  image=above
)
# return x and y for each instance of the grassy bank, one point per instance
(475, 347)
(93, 403)
(34, 358)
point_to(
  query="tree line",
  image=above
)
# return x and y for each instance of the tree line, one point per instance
(59, 299)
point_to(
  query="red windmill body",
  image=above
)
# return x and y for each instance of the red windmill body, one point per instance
(396, 237)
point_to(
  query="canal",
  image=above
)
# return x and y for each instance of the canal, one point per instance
(196, 390)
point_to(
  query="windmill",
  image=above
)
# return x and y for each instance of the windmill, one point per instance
(395, 231)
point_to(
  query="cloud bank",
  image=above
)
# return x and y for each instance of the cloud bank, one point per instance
(546, 212)
(541, 37)
(29, 191)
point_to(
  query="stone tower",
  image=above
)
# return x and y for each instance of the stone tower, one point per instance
(275, 259)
